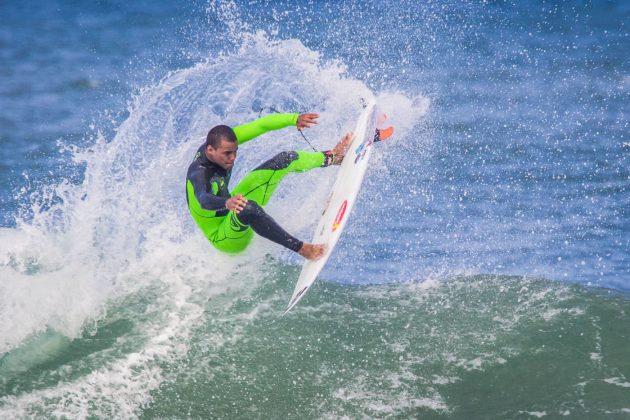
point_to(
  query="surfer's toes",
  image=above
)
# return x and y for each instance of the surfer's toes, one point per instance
(312, 252)
(340, 149)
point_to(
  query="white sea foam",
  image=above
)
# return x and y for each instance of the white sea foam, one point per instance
(537, 414)
(617, 381)
(364, 397)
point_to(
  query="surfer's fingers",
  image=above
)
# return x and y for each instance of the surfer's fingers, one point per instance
(236, 203)
(311, 116)
(307, 120)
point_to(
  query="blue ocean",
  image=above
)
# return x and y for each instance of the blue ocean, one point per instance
(484, 272)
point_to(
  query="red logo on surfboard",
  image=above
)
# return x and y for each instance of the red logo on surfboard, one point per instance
(340, 214)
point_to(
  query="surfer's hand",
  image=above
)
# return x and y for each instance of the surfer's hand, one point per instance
(236, 203)
(306, 120)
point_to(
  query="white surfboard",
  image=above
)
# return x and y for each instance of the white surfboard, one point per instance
(343, 195)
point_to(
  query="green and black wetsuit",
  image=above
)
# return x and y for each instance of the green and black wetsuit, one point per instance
(207, 190)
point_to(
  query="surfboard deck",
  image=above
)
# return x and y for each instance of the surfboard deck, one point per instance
(343, 194)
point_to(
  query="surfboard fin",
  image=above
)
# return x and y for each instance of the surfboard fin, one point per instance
(383, 134)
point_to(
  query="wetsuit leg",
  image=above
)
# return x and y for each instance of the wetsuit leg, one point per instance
(231, 236)
(260, 183)
(253, 215)
(236, 231)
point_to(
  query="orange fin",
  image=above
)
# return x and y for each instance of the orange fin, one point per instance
(384, 133)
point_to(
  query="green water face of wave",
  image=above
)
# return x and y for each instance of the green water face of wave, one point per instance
(469, 347)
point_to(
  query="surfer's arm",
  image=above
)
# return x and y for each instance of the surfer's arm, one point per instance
(206, 199)
(253, 129)
(209, 201)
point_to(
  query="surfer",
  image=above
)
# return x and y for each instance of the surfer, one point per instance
(229, 220)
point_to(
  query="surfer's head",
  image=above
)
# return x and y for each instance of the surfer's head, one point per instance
(221, 146)
(218, 133)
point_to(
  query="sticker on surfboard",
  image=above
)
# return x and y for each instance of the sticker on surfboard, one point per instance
(340, 214)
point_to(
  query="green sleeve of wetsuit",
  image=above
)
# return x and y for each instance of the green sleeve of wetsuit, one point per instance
(253, 129)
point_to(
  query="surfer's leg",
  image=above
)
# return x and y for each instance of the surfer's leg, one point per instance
(258, 187)
(260, 184)
(254, 216)
(231, 236)
(237, 231)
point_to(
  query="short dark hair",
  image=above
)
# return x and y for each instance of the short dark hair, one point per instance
(218, 133)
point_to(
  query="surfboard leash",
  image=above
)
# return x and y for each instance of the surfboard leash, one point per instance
(274, 110)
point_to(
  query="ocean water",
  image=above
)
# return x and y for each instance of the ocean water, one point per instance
(484, 273)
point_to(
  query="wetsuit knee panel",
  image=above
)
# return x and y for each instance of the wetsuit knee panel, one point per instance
(280, 161)
(251, 209)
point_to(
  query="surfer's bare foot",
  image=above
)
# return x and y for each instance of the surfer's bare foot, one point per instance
(312, 252)
(340, 149)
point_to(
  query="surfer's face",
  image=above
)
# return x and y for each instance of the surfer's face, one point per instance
(224, 155)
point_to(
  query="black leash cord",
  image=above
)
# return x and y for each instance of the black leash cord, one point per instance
(272, 109)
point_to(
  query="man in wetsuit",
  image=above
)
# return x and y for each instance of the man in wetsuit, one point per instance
(229, 220)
